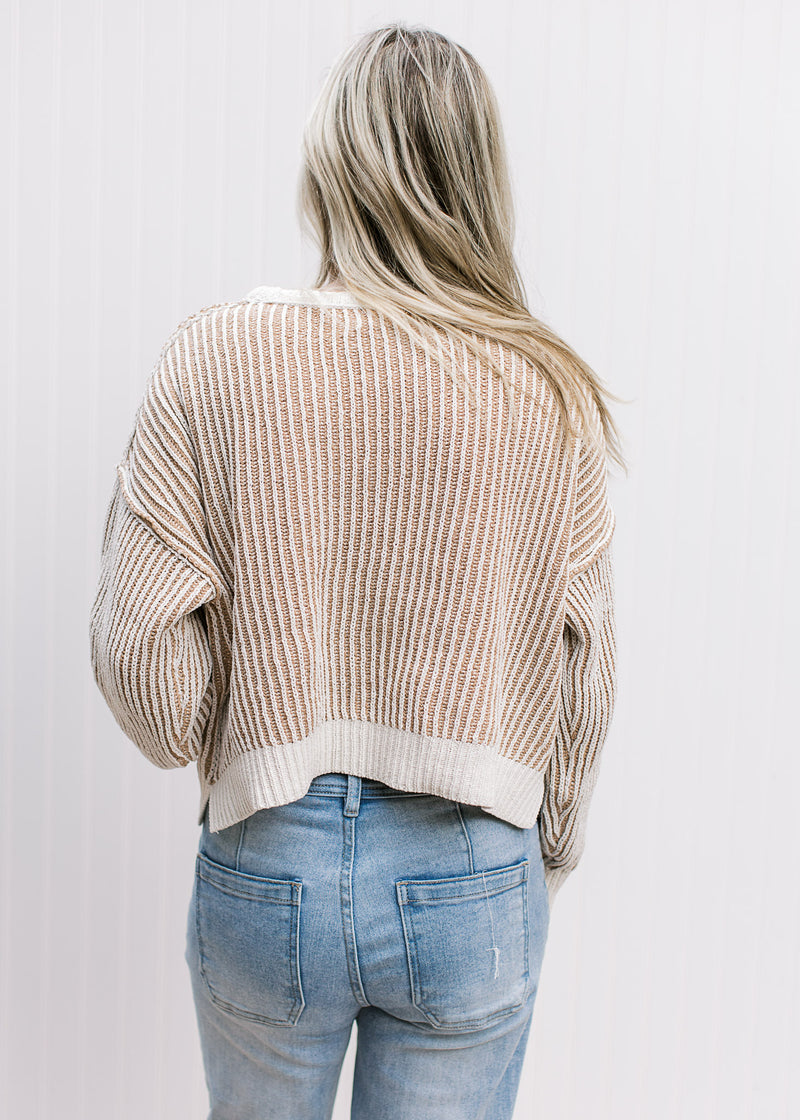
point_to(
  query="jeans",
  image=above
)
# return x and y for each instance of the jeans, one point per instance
(420, 919)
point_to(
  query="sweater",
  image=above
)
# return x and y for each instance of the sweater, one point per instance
(319, 556)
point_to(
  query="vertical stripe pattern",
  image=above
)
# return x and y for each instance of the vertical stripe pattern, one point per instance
(319, 556)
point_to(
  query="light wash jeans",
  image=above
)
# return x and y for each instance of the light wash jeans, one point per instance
(421, 919)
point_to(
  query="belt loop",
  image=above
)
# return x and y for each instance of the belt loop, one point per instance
(353, 799)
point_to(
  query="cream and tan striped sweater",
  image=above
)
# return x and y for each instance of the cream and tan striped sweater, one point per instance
(318, 556)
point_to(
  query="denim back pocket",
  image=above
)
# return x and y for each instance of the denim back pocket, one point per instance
(248, 932)
(467, 945)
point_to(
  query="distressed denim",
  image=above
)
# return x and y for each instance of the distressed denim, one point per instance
(420, 919)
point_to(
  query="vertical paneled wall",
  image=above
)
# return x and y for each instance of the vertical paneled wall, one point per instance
(151, 152)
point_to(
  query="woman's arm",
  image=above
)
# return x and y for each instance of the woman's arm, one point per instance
(149, 647)
(588, 692)
(149, 644)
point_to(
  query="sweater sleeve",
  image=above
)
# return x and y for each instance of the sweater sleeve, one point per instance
(594, 521)
(159, 474)
(588, 690)
(588, 668)
(148, 638)
(149, 649)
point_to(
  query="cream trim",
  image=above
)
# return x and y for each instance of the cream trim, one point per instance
(310, 297)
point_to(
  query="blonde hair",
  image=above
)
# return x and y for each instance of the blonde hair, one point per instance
(406, 189)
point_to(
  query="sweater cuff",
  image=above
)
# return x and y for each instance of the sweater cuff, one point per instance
(554, 877)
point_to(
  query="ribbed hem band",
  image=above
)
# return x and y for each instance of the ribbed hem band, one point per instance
(471, 773)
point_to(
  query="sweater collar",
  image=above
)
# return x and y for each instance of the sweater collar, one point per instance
(311, 297)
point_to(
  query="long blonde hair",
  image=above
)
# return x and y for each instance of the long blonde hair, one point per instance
(406, 190)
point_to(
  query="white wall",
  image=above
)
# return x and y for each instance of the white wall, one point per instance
(152, 152)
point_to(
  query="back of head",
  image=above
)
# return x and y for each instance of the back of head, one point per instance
(406, 188)
(405, 175)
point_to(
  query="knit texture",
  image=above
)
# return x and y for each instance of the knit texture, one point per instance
(320, 556)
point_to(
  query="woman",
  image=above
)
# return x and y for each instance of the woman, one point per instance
(356, 566)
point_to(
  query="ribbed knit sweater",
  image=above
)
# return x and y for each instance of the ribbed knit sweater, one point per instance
(320, 556)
